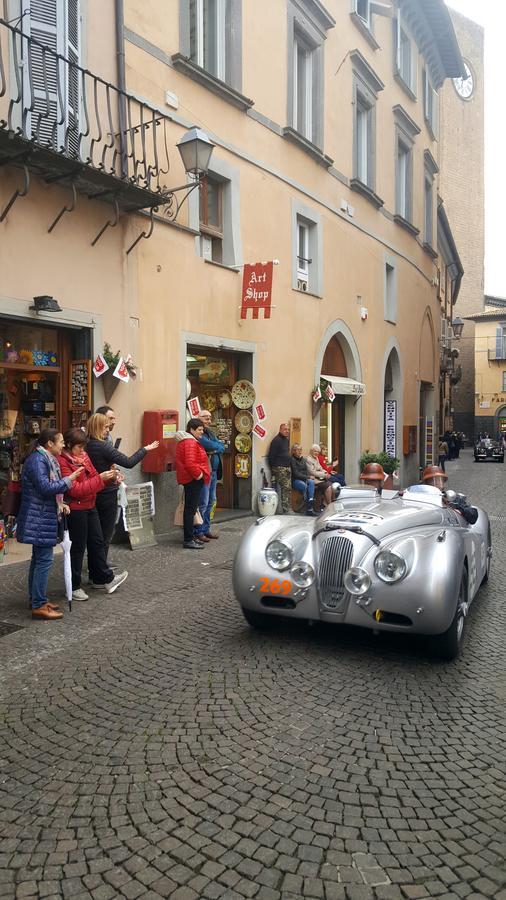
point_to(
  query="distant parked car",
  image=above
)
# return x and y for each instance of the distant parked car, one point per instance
(488, 450)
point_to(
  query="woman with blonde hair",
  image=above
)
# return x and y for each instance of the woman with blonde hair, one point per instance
(105, 456)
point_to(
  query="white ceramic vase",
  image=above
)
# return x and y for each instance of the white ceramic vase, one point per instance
(267, 502)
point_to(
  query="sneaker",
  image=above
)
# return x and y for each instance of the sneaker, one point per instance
(97, 587)
(115, 583)
(79, 595)
(193, 545)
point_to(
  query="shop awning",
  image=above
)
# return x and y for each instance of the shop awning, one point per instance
(341, 385)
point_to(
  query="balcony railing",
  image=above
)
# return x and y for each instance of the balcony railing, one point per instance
(66, 124)
(498, 352)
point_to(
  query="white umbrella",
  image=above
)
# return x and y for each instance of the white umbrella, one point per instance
(67, 571)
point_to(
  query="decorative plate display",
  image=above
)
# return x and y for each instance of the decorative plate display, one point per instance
(208, 401)
(242, 465)
(244, 422)
(243, 394)
(243, 443)
(224, 399)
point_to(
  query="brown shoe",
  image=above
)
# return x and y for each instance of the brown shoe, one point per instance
(53, 606)
(45, 612)
(202, 538)
(213, 537)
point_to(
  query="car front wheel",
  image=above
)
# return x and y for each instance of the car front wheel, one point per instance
(258, 620)
(446, 645)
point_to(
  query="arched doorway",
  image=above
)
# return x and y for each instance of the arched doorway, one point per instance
(392, 403)
(332, 424)
(338, 424)
(428, 425)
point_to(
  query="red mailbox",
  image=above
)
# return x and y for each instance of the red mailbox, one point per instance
(160, 425)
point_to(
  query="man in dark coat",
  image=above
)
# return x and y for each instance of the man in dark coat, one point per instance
(278, 458)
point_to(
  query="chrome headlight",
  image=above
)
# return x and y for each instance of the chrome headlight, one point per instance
(279, 555)
(357, 581)
(302, 574)
(389, 566)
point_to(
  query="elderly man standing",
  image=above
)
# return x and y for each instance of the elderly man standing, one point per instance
(214, 448)
(279, 461)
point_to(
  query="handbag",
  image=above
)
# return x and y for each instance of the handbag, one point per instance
(178, 515)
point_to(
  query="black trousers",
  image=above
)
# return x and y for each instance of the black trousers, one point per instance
(191, 504)
(107, 508)
(86, 534)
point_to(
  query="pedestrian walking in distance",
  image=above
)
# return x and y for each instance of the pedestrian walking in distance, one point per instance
(279, 461)
(193, 472)
(42, 489)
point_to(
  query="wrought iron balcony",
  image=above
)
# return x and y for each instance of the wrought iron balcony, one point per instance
(67, 125)
(498, 354)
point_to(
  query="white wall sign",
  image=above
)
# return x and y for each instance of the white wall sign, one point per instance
(390, 427)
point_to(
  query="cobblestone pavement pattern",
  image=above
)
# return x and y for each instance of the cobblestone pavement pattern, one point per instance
(152, 745)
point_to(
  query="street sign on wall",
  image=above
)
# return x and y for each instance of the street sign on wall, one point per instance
(390, 427)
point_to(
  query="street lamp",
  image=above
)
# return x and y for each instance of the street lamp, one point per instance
(195, 149)
(457, 327)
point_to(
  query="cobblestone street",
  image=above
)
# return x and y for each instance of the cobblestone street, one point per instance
(152, 745)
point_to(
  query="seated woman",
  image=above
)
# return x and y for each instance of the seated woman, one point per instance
(84, 524)
(330, 467)
(323, 484)
(301, 480)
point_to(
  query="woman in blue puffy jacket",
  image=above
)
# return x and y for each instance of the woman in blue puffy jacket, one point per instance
(42, 489)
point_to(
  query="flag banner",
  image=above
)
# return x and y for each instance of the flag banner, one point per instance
(121, 371)
(100, 366)
(259, 431)
(194, 407)
(257, 289)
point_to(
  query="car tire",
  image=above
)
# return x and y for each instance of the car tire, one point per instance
(446, 646)
(258, 620)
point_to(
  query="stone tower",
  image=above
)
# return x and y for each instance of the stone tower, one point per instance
(463, 192)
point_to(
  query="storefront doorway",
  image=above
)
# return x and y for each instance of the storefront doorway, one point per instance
(222, 382)
(332, 418)
(45, 382)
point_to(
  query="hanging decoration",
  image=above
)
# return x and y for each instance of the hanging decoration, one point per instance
(257, 289)
(100, 366)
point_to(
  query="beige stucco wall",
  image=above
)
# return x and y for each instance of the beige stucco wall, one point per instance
(149, 302)
(489, 396)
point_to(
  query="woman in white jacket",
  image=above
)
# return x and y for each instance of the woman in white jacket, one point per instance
(323, 486)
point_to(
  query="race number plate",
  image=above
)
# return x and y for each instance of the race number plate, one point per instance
(274, 586)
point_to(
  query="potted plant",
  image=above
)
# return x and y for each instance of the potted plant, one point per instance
(109, 381)
(390, 464)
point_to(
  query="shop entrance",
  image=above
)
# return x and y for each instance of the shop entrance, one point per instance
(45, 382)
(222, 382)
(332, 415)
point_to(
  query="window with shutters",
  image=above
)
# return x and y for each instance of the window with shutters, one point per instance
(406, 61)
(52, 86)
(430, 105)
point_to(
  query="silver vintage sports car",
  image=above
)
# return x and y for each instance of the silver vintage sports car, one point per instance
(400, 561)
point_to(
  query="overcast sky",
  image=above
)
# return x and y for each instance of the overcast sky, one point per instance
(492, 15)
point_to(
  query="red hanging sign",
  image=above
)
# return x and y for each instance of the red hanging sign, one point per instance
(257, 289)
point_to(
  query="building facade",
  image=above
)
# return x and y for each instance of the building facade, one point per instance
(463, 190)
(490, 365)
(325, 124)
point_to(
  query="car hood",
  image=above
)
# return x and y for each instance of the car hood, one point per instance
(381, 516)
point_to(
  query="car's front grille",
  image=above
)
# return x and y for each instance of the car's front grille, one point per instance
(335, 559)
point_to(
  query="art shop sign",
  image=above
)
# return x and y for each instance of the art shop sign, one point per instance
(257, 289)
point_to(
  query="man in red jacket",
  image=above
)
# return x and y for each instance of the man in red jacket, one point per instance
(192, 471)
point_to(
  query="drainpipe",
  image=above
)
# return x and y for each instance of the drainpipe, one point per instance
(121, 80)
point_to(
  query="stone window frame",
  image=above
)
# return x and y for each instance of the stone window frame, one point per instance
(231, 214)
(430, 170)
(365, 85)
(390, 289)
(308, 22)
(305, 215)
(430, 105)
(406, 131)
(410, 86)
(230, 87)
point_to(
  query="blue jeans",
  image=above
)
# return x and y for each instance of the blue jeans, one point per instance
(207, 498)
(305, 487)
(42, 560)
